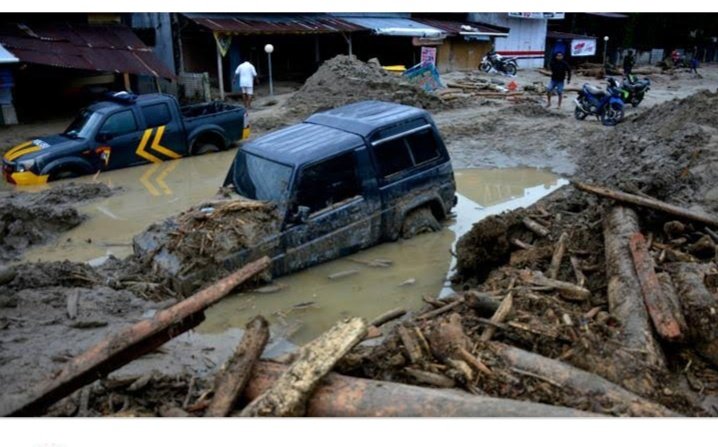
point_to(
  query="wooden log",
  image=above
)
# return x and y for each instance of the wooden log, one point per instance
(343, 396)
(387, 316)
(580, 381)
(625, 300)
(566, 290)
(235, 374)
(648, 203)
(289, 394)
(412, 346)
(557, 256)
(535, 226)
(145, 336)
(660, 309)
(499, 316)
(700, 309)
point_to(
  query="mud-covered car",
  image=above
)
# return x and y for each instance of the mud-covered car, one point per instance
(126, 130)
(342, 180)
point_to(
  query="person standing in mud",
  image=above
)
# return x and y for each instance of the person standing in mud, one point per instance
(247, 75)
(560, 72)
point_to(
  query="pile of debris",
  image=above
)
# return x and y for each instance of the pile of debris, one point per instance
(475, 85)
(345, 79)
(28, 219)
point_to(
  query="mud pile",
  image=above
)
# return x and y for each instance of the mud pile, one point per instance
(669, 152)
(206, 241)
(28, 219)
(346, 79)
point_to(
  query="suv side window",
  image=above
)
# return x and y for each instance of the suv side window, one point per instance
(156, 115)
(392, 156)
(424, 146)
(328, 182)
(120, 123)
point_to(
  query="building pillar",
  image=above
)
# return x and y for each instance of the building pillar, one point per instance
(220, 74)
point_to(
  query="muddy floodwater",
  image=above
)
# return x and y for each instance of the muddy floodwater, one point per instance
(301, 305)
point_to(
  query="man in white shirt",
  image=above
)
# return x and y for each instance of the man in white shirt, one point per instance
(247, 75)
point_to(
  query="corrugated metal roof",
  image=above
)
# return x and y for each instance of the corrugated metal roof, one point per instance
(112, 48)
(394, 26)
(453, 28)
(7, 57)
(273, 23)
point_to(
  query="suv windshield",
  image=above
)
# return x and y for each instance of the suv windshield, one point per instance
(82, 126)
(260, 179)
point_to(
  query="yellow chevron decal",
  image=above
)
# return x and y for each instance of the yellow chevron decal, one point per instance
(19, 153)
(17, 148)
(161, 149)
(141, 148)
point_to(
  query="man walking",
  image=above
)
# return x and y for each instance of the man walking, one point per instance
(247, 75)
(628, 63)
(560, 70)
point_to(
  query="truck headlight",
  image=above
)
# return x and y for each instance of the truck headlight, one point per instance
(22, 166)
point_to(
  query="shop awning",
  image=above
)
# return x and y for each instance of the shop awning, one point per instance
(108, 48)
(7, 57)
(566, 36)
(391, 26)
(273, 23)
(466, 29)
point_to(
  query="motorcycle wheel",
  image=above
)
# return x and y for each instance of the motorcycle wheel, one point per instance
(510, 69)
(579, 114)
(612, 115)
(485, 67)
(635, 102)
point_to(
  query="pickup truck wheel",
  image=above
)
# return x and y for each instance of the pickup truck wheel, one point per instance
(62, 174)
(206, 148)
(421, 220)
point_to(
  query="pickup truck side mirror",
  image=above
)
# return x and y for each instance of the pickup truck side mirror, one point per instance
(103, 137)
(302, 215)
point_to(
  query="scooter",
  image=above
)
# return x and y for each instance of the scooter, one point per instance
(506, 65)
(605, 105)
(633, 89)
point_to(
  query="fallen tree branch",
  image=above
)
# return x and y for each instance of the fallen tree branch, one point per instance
(289, 394)
(387, 317)
(145, 336)
(557, 256)
(566, 290)
(500, 315)
(535, 226)
(344, 396)
(233, 377)
(648, 203)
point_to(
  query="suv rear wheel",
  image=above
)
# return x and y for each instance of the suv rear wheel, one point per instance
(206, 148)
(420, 220)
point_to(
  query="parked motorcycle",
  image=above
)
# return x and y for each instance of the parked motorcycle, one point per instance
(604, 104)
(633, 89)
(494, 60)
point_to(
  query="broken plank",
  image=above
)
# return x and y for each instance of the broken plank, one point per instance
(121, 348)
(654, 204)
(500, 315)
(566, 290)
(412, 345)
(235, 374)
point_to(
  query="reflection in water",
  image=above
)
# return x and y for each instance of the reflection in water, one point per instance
(308, 302)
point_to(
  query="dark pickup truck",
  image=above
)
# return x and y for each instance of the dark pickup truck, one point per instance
(126, 130)
(343, 180)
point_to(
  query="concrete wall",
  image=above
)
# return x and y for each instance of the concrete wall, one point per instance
(160, 21)
(526, 40)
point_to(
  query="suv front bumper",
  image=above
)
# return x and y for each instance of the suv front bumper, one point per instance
(24, 178)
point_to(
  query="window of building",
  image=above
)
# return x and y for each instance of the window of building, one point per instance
(156, 115)
(328, 182)
(120, 123)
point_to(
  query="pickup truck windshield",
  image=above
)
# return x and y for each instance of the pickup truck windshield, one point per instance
(82, 126)
(261, 179)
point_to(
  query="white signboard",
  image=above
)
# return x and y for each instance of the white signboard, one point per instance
(583, 47)
(537, 15)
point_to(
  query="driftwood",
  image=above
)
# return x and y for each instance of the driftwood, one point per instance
(648, 203)
(387, 317)
(566, 290)
(625, 300)
(700, 309)
(235, 374)
(482, 303)
(535, 226)
(344, 396)
(499, 316)
(521, 244)
(143, 337)
(411, 344)
(289, 394)
(429, 378)
(580, 276)
(580, 381)
(557, 256)
(660, 309)
(441, 310)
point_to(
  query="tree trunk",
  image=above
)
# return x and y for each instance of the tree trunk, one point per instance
(289, 394)
(233, 377)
